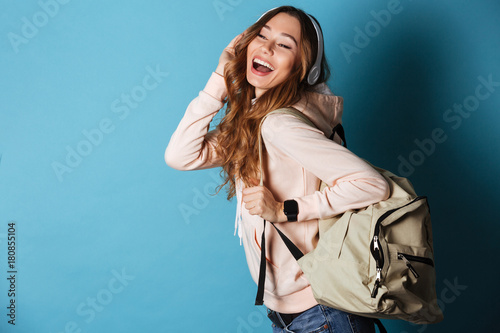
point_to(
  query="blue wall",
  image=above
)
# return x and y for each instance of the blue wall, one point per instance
(109, 239)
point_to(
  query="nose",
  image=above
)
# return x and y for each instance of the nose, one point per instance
(267, 46)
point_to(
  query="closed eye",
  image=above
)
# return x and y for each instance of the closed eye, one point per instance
(280, 44)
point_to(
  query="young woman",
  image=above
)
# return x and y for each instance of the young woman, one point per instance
(264, 69)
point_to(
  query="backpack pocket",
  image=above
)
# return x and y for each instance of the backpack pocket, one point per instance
(408, 259)
(411, 271)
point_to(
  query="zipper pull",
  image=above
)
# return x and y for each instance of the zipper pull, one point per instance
(377, 283)
(408, 264)
(375, 243)
(376, 251)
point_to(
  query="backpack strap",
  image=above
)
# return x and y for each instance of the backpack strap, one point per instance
(259, 299)
(291, 111)
(297, 254)
(381, 327)
(339, 130)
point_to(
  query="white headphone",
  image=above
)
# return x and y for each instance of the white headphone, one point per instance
(315, 71)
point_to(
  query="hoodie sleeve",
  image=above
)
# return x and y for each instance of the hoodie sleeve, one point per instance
(192, 145)
(352, 182)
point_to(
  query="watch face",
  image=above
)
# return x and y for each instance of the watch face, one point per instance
(290, 208)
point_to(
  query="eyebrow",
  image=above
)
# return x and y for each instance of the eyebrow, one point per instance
(283, 34)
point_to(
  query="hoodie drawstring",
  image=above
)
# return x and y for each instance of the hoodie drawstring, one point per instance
(237, 223)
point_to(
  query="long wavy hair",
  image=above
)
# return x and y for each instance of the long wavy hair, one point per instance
(238, 130)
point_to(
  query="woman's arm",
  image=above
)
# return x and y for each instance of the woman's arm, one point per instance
(352, 182)
(192, 146)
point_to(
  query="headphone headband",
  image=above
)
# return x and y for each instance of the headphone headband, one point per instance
(315, 70)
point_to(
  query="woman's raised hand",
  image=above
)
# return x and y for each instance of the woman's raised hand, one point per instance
(228, 54)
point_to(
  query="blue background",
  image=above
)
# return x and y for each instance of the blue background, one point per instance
(120, 211)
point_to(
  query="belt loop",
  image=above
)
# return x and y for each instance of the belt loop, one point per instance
(276, 318)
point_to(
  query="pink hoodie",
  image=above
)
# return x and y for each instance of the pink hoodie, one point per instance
(296, 157)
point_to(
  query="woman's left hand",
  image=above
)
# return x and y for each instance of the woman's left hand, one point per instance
(260, 201)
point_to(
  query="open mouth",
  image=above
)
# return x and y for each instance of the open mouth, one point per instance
(262, 66)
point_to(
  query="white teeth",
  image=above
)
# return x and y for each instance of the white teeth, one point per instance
(263, 63)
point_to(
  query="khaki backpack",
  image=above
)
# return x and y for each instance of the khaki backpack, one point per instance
(377, 261)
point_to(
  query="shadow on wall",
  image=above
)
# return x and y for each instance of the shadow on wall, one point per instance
(407, 91)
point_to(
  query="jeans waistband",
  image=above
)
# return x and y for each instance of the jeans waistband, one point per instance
(282, 319)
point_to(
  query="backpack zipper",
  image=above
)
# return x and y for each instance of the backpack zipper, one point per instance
(378, 255)
(377, 252)
(389, 212)
(407, 257)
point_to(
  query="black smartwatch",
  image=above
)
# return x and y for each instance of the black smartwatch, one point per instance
(291, 210)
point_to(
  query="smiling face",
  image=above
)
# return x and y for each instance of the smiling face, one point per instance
(274, 54)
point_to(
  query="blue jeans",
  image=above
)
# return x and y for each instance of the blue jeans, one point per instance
(323, 319)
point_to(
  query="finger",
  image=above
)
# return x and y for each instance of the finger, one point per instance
(250, 205)
(255, 211)
(253, 198)
(253, 190)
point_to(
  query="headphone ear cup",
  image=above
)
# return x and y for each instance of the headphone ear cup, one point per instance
(315, 71)
(313, 75)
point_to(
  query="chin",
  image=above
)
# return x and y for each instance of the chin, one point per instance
(256, 83)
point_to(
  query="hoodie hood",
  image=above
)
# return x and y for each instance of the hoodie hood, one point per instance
(322, 107)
